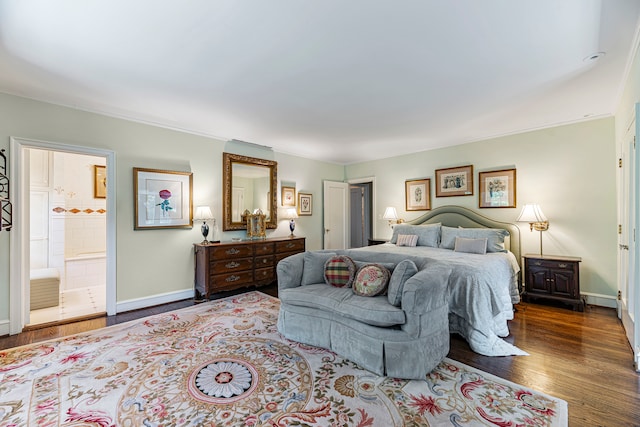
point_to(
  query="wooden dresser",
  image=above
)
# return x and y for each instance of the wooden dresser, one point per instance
(230, 265)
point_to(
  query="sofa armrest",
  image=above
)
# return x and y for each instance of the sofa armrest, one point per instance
(289, 271)
(427, 290)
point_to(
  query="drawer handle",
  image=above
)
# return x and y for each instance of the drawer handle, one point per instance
(233, 251)
(537, 263)
(232, 278)
(562, 265)
(290, 245)
(232, 264)
(264, 261)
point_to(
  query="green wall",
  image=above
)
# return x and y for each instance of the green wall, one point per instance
(152, 262)
(568, 170)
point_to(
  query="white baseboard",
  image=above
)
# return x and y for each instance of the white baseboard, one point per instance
(4, 327)
(138, 303)
(601, 300)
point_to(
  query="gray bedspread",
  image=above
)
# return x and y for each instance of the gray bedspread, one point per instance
(482, 291)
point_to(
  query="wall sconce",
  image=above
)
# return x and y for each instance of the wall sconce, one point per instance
(203, 213)
(532, 214)
(391, 215)
(291, 215)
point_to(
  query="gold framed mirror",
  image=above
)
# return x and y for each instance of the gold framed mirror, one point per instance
(249, 184)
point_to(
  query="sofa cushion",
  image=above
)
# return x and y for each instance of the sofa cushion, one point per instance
(371, 280)
(403, 271)
(375, 311)
(339, 271)
(313, 270)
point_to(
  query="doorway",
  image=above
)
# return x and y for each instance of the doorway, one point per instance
(39, 242)
(360, 212)
(67, 239)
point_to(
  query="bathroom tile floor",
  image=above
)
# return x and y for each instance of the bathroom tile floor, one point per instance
(73, 303)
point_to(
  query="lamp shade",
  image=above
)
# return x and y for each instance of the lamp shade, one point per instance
(531, 213)
(203, 213)
(290, 214)
(390, 213)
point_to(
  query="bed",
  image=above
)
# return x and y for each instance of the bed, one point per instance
(482, 287)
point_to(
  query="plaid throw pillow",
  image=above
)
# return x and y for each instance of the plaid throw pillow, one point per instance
(407, 240)
(339, 271)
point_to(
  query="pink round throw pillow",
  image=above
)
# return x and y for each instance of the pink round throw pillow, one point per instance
(339, 271)
(371, 280)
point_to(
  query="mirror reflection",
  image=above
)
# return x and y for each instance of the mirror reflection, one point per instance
(249, 184)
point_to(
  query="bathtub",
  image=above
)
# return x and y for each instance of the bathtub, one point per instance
(85, 270)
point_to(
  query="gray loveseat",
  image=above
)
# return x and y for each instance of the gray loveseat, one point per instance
(406, 340)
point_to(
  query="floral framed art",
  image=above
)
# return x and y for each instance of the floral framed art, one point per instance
(454, 181)
(305, 204)
(99, 182)
(497, 189)
(162, 199)
(288, 196)
(417, 194)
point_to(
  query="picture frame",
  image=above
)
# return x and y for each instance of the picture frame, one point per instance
(256, 225)
(162, 199)
(288, 196)
(99, 182)
(456, 181)
(497, 189)
(417, 194)
(305, 204)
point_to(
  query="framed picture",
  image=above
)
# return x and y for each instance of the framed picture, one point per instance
(288, 196)
(99, 182)
(497, 189)
(417, 194)
(162, 199)
(454, 181)
(305, 204)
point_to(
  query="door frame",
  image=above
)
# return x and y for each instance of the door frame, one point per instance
(19, 244)
(372, 180)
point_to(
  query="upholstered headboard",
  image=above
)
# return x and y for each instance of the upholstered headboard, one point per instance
(457, 216)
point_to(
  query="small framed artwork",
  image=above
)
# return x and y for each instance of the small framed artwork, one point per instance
(288, 196)
(497, 189)
(305, 204)
(454, 181)
(99, 182)
(162, 199)
(417, 194)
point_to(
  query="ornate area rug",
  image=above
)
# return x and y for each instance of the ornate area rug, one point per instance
(223, 363)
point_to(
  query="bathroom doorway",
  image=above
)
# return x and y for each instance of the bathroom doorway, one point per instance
(67, 242)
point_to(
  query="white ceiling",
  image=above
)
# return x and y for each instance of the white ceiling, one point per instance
(335, 80)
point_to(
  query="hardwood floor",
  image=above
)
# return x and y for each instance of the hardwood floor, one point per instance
(583, 358)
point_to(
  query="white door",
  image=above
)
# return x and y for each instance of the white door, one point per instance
(336, 215)
(628, 244)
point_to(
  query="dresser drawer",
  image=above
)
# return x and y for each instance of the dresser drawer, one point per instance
(264, 248)
(222, 281)
(296, 245)
(233, 251)
(265, 275)
(264, 261)
(231, 265)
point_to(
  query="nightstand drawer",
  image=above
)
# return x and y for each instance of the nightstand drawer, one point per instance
(568, 265)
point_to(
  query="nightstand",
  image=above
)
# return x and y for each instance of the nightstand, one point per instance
(374, 241)
(554, 278)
